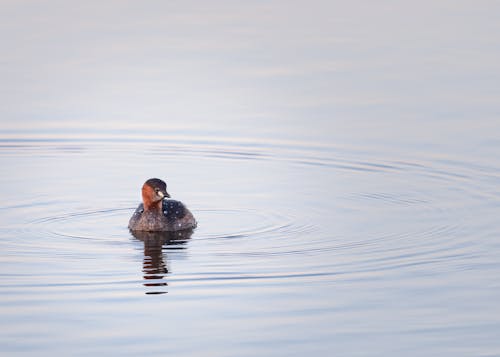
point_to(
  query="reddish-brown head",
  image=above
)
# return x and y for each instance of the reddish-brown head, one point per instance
(153, 192)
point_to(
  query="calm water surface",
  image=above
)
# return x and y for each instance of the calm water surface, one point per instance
(341, 160)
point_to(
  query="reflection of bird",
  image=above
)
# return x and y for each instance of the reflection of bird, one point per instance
(158, 215)
(154, 265)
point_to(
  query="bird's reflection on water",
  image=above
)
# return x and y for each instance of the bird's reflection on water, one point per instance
(155, 265)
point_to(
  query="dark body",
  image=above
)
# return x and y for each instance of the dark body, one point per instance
(174, 216)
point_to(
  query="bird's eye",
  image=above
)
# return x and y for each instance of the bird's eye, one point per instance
(156, 190)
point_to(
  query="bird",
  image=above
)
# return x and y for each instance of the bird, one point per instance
(159, 213)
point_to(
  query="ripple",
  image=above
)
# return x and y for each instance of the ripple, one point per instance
(420, 191)
(258, 223)
(78, 224)
(388, 198)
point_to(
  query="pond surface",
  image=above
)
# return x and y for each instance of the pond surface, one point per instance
(341, 161)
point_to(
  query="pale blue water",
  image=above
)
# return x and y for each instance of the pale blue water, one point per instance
(342, 162)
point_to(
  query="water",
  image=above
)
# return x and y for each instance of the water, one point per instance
(341, 160)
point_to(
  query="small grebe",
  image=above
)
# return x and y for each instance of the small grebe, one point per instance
(158, 215)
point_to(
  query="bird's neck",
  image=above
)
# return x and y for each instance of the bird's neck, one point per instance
(152, 206)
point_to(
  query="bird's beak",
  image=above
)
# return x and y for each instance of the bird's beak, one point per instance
(163, 194)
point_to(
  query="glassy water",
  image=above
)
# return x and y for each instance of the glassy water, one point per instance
(341, 161)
